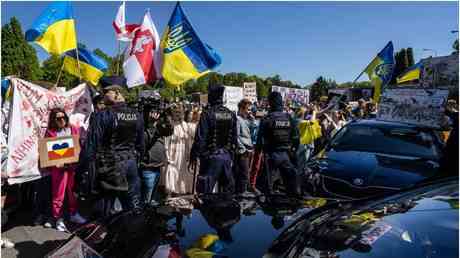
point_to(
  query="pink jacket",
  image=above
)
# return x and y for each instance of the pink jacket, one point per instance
(53, 133)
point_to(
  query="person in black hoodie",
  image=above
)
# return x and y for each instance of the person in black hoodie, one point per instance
(157, 126)
(214, 144)
(278, 138)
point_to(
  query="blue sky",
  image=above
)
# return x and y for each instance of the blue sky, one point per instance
(297, 40)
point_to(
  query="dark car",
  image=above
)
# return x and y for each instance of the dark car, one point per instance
(418, 222)
(217, 226)
(371, 157)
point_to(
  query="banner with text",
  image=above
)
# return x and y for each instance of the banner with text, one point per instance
(293, 95)
(29, 120)
(250, 91)
(232, 96)
(423, 107)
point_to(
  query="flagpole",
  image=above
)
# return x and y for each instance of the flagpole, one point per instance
(364, 70)
(118, 57)
(59, 75)
(78, 64)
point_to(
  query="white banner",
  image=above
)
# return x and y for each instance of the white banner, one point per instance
(424, 107)
(29, 120)
(232, 96)
(250, 91)
(299, 96)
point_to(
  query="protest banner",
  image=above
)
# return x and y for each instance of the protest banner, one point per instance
(423, 107)
(439, 71)
(232, 96)
(58, 150)
(74, 247)
(29, 120)
(250, 91)
(298, 96)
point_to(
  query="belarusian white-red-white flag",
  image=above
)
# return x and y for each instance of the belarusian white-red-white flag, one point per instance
(124, 32)
(142, 62)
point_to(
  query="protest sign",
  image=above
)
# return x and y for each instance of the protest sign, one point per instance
(58, 150)
(250, 91)
(29, 120)
(439, 71)
(232, 96)
(423, 107)
(298, 96)
(74, 247)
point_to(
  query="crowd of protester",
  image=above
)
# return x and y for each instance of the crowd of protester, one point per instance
(133, 159)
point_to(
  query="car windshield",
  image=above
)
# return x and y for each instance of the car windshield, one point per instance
(397, 141)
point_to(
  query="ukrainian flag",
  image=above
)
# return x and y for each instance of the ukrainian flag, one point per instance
(92, 67)
(54, 29)
(380, 70)
(412, 73)
(185, 56)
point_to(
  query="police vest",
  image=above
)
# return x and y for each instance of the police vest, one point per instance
(123, 135)
(278, 131)
(221, 129)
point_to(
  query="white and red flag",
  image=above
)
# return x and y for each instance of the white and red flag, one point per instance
(142, 62)
(124, 32)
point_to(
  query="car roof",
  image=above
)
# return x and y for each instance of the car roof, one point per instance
(386, 124)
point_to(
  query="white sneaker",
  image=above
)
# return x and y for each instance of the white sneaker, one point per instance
(77, 218)
(60, 226)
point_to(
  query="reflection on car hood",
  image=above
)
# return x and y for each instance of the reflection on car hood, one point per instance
(419, 223)
(244, 226)
(376, 169)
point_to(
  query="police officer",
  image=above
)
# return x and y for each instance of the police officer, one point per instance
(116, 138)
(278, 138)
(215, 141)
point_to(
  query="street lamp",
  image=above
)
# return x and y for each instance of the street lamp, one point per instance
(432, 50)
(454, 31)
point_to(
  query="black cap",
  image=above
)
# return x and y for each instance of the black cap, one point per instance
(112, 82)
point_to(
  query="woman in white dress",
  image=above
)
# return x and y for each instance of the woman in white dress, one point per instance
(178, 179)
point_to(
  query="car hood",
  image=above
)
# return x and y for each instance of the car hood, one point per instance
(374, 169)
(401, 226)
(242, 226)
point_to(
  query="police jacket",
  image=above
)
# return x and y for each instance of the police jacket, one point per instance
(216, 130)
(277, 132)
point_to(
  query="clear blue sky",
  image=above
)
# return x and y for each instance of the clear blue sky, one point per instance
(297, 40)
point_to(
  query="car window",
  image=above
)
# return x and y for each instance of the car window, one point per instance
(397, 141)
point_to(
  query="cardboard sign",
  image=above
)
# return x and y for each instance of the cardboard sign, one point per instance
(299, 96)
(439, 71)
(423, 107)
(232, 96)
(250, 91)
(74, 247)
(58, 150)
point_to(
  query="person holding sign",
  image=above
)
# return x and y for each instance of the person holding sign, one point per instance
(63, 175)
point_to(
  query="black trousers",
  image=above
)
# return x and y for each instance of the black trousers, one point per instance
(242, 163)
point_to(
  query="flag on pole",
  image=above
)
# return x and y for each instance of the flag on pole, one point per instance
(54, 29)
(142, 57)
(380, 70)
(412, 73)
(185, 56)
(123, 31)
(92, 67)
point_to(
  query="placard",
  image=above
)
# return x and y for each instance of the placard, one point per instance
(298, 96)
(232, 96)
(58, 150)
(423, 107)
(74, 248)
(250, 91)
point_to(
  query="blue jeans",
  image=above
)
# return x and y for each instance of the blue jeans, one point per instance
(150, 179)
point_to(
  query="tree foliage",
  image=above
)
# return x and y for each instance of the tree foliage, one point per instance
(18, 57)
(403, 60)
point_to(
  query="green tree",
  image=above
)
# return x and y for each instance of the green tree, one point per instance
(18, 57)
(51, 68)
(319, 88)
(403, 60)
(455, 46)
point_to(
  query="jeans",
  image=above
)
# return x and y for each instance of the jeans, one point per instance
(150, 179)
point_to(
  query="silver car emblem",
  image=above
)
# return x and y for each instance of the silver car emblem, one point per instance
(358, 181)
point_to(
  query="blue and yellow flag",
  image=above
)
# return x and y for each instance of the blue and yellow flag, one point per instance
(92, 67)
(412, 73)
(185, 56)
(54, 29)
(380, 70)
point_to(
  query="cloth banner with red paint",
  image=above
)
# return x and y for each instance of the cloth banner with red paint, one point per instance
(29, 120)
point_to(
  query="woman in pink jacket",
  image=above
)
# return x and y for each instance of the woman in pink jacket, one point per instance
(63, 176)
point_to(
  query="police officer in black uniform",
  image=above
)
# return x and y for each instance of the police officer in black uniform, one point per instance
(116, 139)
(215, 141)
(278, 138)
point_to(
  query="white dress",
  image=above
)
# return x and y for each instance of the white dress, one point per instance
(176, 177)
